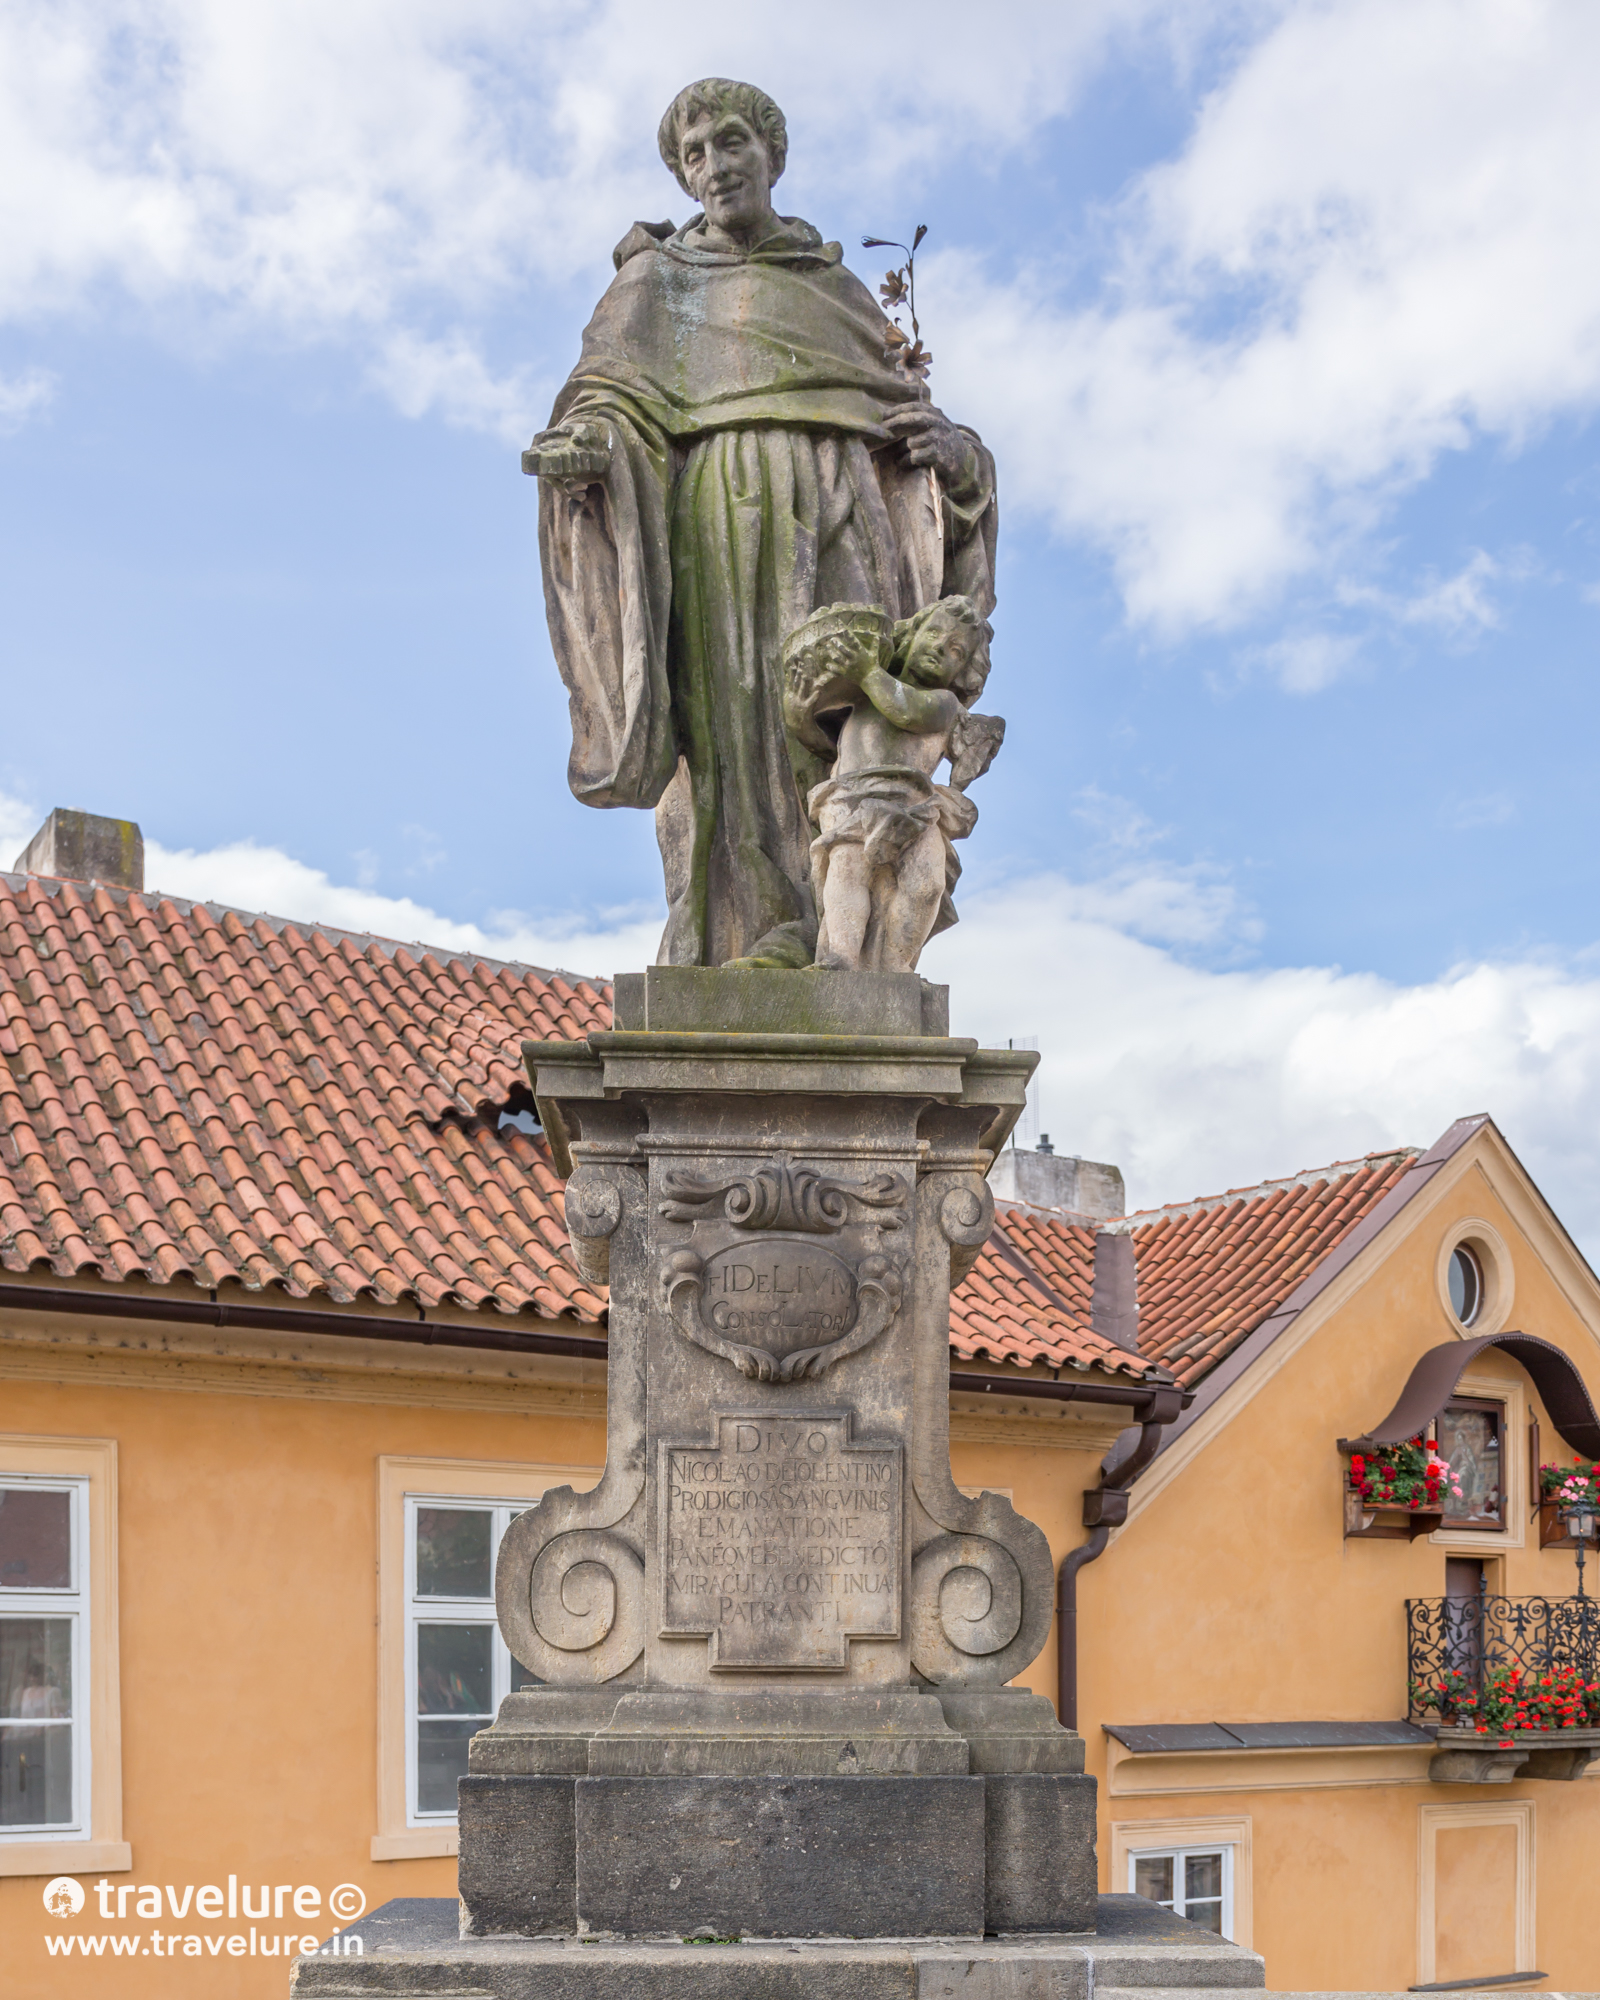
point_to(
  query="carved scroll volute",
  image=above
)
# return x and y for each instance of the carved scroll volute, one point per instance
(593, 1211)
(570, 1604)
(966, 1606)
(966, 1216)
(982, 1597)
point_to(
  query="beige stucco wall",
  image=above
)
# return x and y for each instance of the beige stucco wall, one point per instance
(248, 1628)
(1232, 1596)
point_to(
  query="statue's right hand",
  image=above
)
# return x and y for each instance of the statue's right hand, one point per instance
(574, 458)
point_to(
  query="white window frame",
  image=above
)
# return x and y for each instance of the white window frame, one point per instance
(71, 1602)
(491, 1483)
(451, 1611)
(1178, 1856)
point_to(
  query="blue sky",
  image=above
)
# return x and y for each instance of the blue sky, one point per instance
(1282, 320)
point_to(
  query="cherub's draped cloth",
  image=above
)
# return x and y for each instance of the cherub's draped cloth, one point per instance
(751, 481)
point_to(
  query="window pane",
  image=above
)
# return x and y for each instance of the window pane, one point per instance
(441, 1759)
(1207, 1915)
(454, 1669)
(1202, 1875)
(35, 1539)
(1469, 1442)
(523, 1677)
(1466, 1286)
(35, 1668)
(1152, 1877)
(35, 1775)
(453, 1550)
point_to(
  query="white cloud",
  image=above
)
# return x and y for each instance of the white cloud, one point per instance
(330, 167)
(1194, 1081)
(1375, 248)
(1466, 815)
(20, 820)
(449, 376)
(1458, 604)
(1306, 662)
(1458, 607)
(24, 396)
(247, 876)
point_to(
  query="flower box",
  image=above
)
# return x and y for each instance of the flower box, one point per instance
(1395, 1492)
(1562, 1486)
(1507, 1757)
(1552, 1528)
(1452, 1737)
(1374, 1522)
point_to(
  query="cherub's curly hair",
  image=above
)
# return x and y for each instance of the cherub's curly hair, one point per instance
(710, 97)
(954, 610)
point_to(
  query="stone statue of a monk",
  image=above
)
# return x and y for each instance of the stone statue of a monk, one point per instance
(734, 449)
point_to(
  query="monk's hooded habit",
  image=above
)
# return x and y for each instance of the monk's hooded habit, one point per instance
(751, 481)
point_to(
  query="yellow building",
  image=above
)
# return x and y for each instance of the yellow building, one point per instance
(287, 1334)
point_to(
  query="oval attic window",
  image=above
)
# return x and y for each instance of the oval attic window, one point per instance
(1466, 1284)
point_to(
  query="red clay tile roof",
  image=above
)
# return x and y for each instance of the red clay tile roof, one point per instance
(1211, 1271)
(189, 1094)
(237, 1101)
(1026, 1300)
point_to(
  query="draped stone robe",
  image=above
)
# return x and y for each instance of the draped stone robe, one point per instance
(751, 481)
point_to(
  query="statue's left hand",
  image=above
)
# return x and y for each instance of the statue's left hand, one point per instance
(572, 457)
(931, 439)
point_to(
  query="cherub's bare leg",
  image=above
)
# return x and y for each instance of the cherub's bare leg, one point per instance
(909, 916)
(846, 908)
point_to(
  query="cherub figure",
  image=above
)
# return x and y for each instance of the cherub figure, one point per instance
(884, 862)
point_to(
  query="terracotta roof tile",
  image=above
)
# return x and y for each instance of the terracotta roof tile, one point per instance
(189, 1095)
(1026, 1300)
(1211, 1270)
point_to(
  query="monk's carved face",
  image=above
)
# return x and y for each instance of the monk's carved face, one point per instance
(728, 171)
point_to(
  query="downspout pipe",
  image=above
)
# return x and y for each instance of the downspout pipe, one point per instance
(1104, 1507)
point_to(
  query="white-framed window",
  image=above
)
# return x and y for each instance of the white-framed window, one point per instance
(458, 1669)
(1196, 1882)
(45, 1786)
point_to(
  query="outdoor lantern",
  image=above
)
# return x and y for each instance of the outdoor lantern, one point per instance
(1580, 1523)
(1580, 1520)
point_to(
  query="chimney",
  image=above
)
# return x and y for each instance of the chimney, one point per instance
(83, 847)
(1049, 1179)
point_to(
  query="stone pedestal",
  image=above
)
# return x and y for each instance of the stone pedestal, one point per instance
(776, 1638)
(1133, 1950)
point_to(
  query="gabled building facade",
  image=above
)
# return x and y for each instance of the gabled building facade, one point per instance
(289, 1331)
(1245, 1690)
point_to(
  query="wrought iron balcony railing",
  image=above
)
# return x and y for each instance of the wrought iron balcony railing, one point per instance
(1463, 1639)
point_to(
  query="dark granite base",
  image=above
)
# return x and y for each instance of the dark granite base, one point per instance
(775, 1857)
(1039, 1846)
(408, 1950)
(517, 1868)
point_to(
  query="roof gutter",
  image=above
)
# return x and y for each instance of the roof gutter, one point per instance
(1137, 1398)
(107, 1304)
(284, 1319)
